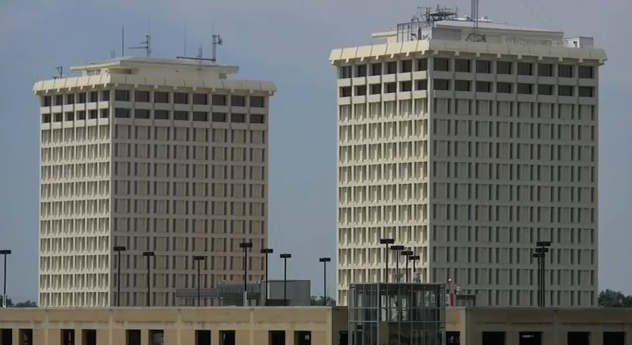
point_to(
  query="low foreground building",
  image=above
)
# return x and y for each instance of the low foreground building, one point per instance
(302, 326)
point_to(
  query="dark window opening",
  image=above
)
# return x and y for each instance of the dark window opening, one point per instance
(227, 337)
(257, 118)
(93, 114)
(421, 65)
(578, 338)
(390, 87)
(238, 101)
(105, 95)
(141, 96)
(453, 338)
(344, 72)
(407, 66)
(26, 337)
(6, 336)
(81, 115)
(161, 114)
(161, 97)
(219, 117)
(70, 116)
(462, 85)
(132, 337)
(202, 337)
(360, 90)
(219, 99)
(376, 89)
(376, 69)
(46, 101)
(545, 90)
(89, 337)
(181, 98)
(59, 117)
(156, 337)
(391, 67)
(200, 116)
(257, 102)
(141, 113)
(504, 87)
(525, 68)
(406, 86)
(46, 118)
(545, 70)
(586, 91)
(67, 337)
(181, 115)
(483, 66)
(565, 90)
(238, 118)
(493, 338)
(463, 65)
(276, 337)
(70, 98)
(360, 71)
(105, 113)
(343, 338)
(586, 72)
(483, 86)
(613, 338)
(122, 113)
(504, 67)
(122, 95)
(200, 98)
(565, 71)
(94, 96)
(82, 98)
(525, 89)
(302, 338)
(441, 84)
(345, 91)
(530, 338)
(442, 64)
(421, 84)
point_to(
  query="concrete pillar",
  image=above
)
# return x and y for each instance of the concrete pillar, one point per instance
(289, 337)
(215, 337)
(512, 338)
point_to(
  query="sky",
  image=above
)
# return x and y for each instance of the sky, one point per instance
(287, 41)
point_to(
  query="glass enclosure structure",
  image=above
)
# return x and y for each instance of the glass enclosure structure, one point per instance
(396, 314)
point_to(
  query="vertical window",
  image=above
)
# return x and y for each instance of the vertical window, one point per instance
(391, 67)
(200, 98)
(161, 114)
(376, 69)
(463, 65)
(406, 86)
(441, 84)
(238, 101)
(360, 90)
(121, 113)
(585, 72)
(545, 90)
(161, 97)
(141, 96)
(462, 85)
(504, 87)
(545, 70)
(586, 91)
(345, 91)
(237, 118)
(525, 89)
(483, 86)
(376, 89)
(565, 90)
(70, 98)
(565, 71)
(180, 98)
(525, 68)
(257, 102)
(390, 87)
(421, 84)
(360, 71)
(407, 66)
(94, 96)
(344, 72)
(504, 67)
(219, 99)
(421, 65)
(483, 66)
(46, 101)
(122, 95)
(442, 64)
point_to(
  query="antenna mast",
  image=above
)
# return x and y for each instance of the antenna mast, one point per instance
(60, 72)
(475, 36)
(146, 45)
(122, 41)
(217, 41)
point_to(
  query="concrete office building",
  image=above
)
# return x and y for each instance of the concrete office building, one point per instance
(469, 146)
(157, 155)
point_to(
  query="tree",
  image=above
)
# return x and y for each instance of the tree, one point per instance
(26, 304)
(318, 300)
(614, 299)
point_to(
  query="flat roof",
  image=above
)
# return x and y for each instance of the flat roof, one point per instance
(132, 61)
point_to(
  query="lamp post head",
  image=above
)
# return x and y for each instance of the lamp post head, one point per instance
(120, 248)
(285, 256)
(407, 252)
(148, 254)
(199, 257)
(543, 243)
(397, 247)
(245, 245)
(324, 260)
(267, 251)
(387, 241)
(413, 257)
(5, 251)
(541, 250)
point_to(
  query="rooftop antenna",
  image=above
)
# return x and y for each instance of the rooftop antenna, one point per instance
(185, 40)
(475, 36)
(112, 54)
(217, 41)
(122, 41)
(146, 45)
(60, 72)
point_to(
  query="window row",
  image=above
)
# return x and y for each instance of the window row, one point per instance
(155, 97)
(79, 115)
(183, 134)
(197, 208)
(75, 134)
(203, 116)
(190, 189)
(467, 66)
(186, 171)
(513, 172)
(507, 130)
(469, 86)
(202, 226)
(475, 150)
(185, 152)
(495, 213)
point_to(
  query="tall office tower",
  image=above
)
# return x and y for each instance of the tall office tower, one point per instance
(166, 156)
(469, 146)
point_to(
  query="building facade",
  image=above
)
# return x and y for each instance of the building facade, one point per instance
(469, 146)
(162, 159)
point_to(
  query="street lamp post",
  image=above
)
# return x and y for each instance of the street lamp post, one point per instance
(386, 242)
(5, 252)
(414, 259)
(267, 251)
(198, 258)
(397, 249)
(407, 253)
(245, 246)
(118, 250)
(324, 261)
(148, 255)
(285, 257)
(540, 254)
